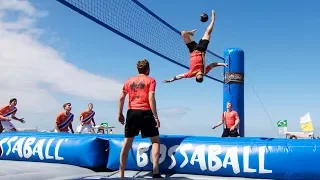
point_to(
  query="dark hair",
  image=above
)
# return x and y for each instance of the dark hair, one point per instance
(11, 100)
(199, 80)
(90, 104)
(143, 66)
(66, 104)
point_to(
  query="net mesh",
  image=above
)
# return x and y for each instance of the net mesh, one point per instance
(133, 21)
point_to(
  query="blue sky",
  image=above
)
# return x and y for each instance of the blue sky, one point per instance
(279, 39)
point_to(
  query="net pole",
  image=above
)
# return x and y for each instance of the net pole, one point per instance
(233, 88)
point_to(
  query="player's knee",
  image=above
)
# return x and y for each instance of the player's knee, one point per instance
(185, 35)
(155, 139)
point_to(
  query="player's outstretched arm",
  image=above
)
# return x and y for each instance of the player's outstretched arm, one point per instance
(212, 65)
(178, 77)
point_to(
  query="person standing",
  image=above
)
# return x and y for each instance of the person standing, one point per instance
(64, 120)
(7, 113)
(141, 116)
(87, 120)
(230, 119)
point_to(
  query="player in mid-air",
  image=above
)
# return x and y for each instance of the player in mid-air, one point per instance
(197, 51)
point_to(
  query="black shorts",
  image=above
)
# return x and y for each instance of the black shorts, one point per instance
(140, 121)
(227, 133)
(201, 46)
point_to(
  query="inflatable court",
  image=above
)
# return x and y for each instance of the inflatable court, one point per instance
(262, 158)
(79, 156)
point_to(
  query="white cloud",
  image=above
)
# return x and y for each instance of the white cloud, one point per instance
(26, 64)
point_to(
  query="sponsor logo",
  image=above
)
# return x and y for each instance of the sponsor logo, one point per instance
(27, 147)
(233, 77)
(207, 157)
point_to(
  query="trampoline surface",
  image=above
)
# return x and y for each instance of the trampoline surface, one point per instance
(17, 170)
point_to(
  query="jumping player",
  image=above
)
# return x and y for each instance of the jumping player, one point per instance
(87, 120)
(64, 120)
(6, 113)
(197, 51)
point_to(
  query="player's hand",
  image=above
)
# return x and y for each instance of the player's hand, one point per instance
(157, 123)
(232, 128)
(121, 119)
(213, 14)
(22, 120)
(167, 81)
(8, 119)
(214, 127)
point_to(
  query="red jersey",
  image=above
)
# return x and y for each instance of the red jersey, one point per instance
(138, 88)
(63, 121)
(197, 64)
(230, 118)
(6, 111)
(87, 117)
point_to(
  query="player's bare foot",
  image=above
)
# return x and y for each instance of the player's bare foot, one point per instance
(213, 14)
(191, 33)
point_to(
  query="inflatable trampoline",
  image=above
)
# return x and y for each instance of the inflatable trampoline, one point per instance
(44, 156)
(74, 155)
(13, 170)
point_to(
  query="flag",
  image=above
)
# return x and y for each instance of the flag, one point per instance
(282, 123)
(306, 123)
(283, 126)
(104, 124)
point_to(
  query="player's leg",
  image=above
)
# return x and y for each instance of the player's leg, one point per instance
(132, 128)
(234, 133)
(7, 125)
(187, 38)
(207, 34)
(225, 132)
(91, 129)
(204, 42)
(80, 128)
(124, 154)
(148, 129)
(1, 127)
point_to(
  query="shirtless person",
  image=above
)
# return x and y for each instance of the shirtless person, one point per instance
(6, 113)
(197, 51)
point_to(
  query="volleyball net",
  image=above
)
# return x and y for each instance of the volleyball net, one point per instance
(136, 23)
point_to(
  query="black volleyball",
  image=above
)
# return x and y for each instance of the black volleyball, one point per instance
(204, 17)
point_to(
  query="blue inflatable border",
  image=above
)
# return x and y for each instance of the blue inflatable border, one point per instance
(230, 157)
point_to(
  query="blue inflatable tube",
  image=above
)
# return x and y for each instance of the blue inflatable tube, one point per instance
(233, 89)
(231, 157)
(84, 151)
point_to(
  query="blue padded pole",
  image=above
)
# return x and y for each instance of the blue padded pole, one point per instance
(233, 88)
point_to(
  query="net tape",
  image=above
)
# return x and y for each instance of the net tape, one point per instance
(133, 21)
